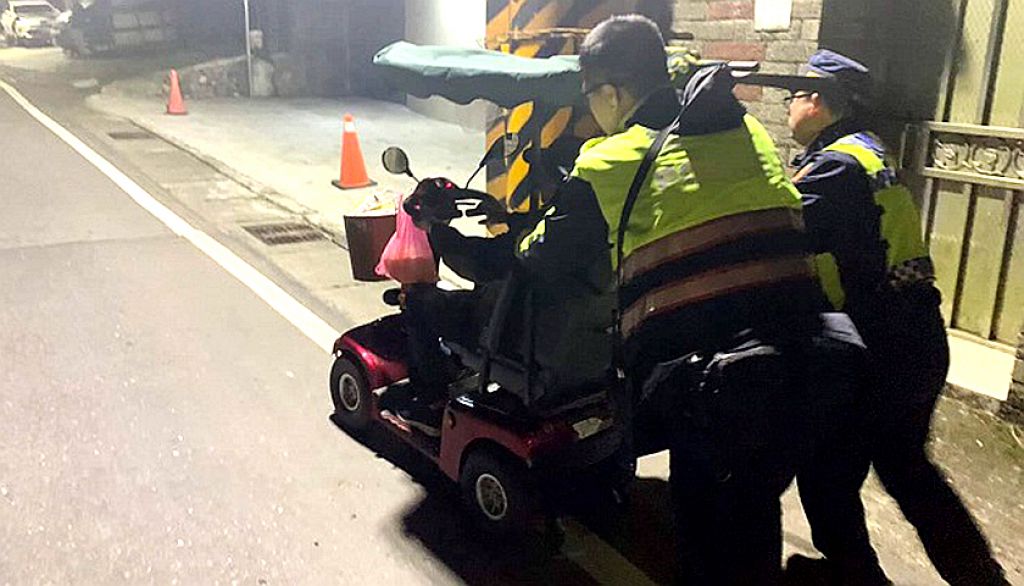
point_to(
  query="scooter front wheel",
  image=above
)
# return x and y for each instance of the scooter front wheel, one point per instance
(350, 394)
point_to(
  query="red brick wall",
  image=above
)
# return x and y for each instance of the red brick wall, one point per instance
(724, 29)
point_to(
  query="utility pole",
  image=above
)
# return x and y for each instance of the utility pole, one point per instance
(248, 42)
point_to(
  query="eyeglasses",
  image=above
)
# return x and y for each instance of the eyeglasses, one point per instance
(798, 96)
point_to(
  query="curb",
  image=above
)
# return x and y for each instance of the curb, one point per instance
(988, 405)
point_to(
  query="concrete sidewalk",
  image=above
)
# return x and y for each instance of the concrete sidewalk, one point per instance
(289, 150)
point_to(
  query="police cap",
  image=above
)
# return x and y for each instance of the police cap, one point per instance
(850, 77)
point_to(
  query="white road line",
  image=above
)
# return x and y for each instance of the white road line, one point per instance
(587, 550)
(307, 322)
(603, 562)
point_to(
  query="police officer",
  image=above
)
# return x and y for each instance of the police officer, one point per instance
(875, 267)
(719, 301)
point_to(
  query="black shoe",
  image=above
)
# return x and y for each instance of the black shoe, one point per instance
(807, 571)
(423, 418)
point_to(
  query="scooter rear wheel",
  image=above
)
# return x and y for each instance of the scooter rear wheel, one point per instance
(351, 395)
(498, 493)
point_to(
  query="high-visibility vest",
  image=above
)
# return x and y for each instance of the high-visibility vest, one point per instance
(716, 216)
(907, 258)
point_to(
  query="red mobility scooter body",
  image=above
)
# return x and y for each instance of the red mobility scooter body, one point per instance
(503, 459)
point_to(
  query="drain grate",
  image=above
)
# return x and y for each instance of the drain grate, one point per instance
(130, 135)
(279, 233)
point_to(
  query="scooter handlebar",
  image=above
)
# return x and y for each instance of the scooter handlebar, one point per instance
(435, 201)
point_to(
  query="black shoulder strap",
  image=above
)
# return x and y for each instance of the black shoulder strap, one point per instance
(634, 191)
(627, 211)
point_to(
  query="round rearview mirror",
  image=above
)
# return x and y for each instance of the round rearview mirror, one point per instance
(395, 161)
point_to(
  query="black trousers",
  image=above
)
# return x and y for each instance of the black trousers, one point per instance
(890, 429)
(430, 315)
(738, 431)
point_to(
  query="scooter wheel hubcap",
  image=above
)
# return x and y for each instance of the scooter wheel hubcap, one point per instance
(491, 497)
(349, 392)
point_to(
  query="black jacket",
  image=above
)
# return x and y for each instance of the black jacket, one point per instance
(843, 219)
(840, 212)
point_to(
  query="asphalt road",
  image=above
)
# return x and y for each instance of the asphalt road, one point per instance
(160, 423)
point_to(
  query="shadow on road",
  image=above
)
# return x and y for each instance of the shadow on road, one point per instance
(641, 533)
(644, 534)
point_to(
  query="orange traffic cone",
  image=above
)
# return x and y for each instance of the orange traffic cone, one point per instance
(353, 169)
(175, 103)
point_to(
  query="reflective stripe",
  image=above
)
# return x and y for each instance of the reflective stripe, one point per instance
(917, 270)
(871, 162)
(709, 235)
(536, 234)
(715, 283)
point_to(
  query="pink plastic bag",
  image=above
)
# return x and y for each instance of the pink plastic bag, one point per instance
(408, 258)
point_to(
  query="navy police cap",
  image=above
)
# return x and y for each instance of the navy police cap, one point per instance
(852, 77)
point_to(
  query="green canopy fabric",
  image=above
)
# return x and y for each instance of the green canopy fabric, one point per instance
(463, 75)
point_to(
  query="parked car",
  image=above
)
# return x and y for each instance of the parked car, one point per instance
(85, 30)
(29, 21)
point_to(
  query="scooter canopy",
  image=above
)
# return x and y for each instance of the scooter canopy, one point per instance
(466, 74)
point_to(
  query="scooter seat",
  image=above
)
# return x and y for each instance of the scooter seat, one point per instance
(509, 374)
(542, 400)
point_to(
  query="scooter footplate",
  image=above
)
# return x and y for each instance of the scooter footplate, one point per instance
(396, 421)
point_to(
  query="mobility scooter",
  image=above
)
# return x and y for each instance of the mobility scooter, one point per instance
(497, 441)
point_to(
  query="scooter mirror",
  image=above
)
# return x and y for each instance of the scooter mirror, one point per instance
(396, 161)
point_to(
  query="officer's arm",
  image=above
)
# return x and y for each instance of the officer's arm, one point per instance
(843, 219)
(570, 237)
(837, 200)
(478, 259)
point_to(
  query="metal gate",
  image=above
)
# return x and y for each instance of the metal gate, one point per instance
(972, 158)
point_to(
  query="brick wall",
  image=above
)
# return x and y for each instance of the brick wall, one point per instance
(724, 29)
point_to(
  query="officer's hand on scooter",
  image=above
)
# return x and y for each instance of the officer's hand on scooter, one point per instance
(490, 210)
